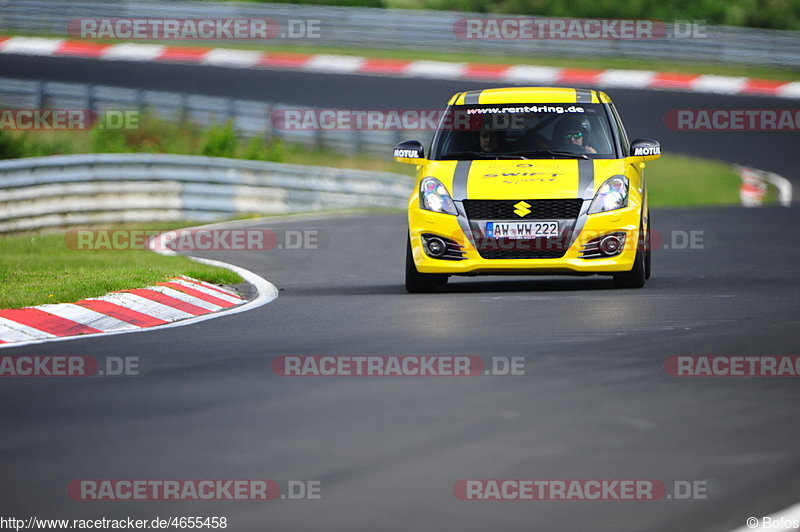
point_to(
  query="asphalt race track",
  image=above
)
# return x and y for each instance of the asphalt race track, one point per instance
(595, 401)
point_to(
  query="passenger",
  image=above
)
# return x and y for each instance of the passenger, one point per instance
(490, 140)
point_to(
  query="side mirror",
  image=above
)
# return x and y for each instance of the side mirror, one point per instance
(409, 151)
(645, 149)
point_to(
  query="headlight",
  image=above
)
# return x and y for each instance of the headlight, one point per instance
(434, 197)
(613, 194)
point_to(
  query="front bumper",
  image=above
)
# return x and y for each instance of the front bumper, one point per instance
(587, 227)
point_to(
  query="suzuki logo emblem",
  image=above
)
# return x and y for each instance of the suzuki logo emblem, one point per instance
(522, 209)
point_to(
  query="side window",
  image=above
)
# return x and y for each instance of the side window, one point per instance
(601, 136)
(623, 137)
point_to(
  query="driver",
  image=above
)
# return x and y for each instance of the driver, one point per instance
(572, 134)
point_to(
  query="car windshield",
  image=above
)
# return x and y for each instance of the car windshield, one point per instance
(524, 131)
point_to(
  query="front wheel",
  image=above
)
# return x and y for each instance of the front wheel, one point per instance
(421, 283)
(636, 277)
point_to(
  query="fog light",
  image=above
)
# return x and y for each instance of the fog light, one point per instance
(442, 248)
(610, 245)
(435, 247)
(604, 246)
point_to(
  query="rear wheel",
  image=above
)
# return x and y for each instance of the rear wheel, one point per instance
(636, 277)
(421, 283)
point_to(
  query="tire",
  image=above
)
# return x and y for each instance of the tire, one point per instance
(636, 277)
(421, 283)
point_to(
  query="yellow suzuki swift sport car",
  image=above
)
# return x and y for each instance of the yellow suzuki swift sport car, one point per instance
(528, 180)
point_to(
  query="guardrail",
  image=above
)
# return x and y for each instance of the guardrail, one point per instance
(69, 190)
(412, 29)
(250, 118)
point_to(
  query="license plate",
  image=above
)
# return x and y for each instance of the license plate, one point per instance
(522, 230)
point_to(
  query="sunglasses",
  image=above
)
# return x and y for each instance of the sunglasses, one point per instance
(573, 135)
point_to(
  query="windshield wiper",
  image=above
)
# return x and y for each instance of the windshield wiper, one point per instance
(482, 155)
(553, 153)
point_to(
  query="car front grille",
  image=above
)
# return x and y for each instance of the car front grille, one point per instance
(537, 248)
(543, 209)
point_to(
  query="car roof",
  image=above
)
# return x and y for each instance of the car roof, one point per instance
(523, 95)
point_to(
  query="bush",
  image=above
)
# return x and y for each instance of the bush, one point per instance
(17, 145)
(259, 150)
(152, 136)
(220, 141)
(11, 147)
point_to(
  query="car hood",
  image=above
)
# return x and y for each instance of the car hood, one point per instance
(524, 179)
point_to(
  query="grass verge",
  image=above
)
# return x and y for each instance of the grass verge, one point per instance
(40, 268)
(683, 181)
